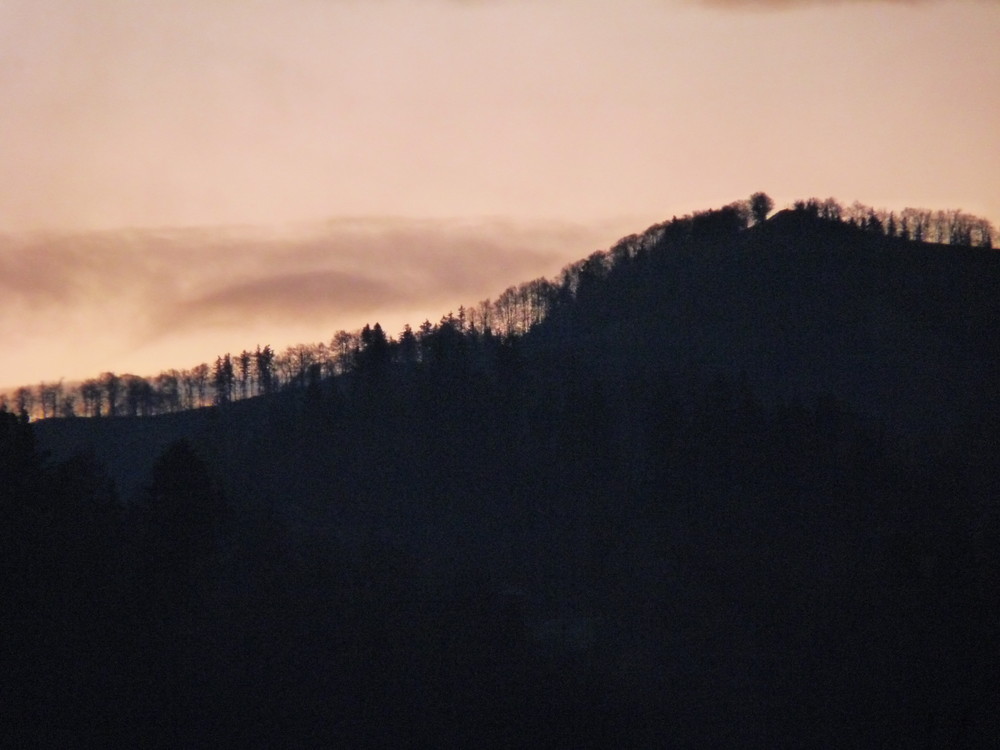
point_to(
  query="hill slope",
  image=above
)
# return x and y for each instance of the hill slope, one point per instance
(696, 505)
(902, 332)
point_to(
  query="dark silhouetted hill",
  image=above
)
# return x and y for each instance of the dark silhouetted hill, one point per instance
(901, 332)
(736, 488)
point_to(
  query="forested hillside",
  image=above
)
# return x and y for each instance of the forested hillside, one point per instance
(728, 484)
(706, 277)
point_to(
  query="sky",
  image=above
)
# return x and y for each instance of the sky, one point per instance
(182, 178)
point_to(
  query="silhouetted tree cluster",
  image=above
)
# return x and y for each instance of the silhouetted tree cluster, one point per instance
(760, 206)
(952, 227)
(514, 313)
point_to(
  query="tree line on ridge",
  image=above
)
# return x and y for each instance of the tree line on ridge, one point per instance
(234, 377)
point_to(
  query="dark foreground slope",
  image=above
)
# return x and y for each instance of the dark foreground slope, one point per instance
(738, 490)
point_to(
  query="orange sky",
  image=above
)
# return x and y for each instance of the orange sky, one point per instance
(565, 123)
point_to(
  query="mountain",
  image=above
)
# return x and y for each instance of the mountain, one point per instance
(735, 487)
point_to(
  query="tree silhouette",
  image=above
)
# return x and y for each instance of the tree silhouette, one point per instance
(168, 388)
(264, 369)
(223, 378)
(760, 206)
(200, 375)
(244, 363)
(409, 350)
(24, 402)
(49, 398)
(112, 385)
(140, 397)
(374, 348)
(91, 394)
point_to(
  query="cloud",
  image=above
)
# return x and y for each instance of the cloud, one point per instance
(77, 304)
(282, 297)
(358, 269)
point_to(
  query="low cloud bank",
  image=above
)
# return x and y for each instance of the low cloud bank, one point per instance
(72, 305)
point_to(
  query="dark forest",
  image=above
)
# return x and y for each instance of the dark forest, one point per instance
(730, 483)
